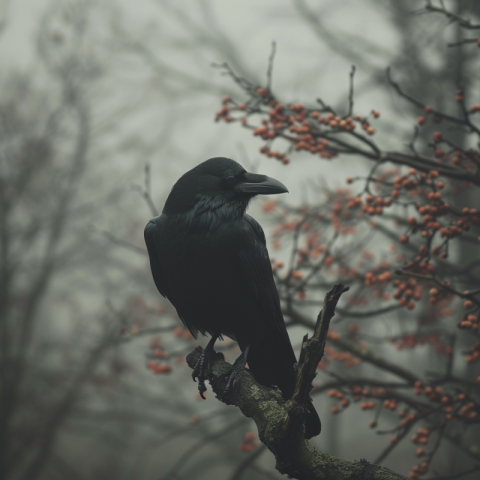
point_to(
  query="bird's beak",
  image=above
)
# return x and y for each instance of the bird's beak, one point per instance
(260, 185)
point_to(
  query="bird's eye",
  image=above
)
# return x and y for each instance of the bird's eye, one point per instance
(231, 180)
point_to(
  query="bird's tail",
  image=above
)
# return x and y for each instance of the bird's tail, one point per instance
(272, 365)
(313, 425)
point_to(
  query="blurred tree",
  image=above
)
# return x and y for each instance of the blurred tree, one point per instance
(62, 366)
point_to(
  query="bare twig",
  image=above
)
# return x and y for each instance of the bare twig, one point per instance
(463, 22)
(362, 353)
(383, 455)
(310, 357)
(123, 243)
(350, 96)
(419, 104)
(145, 191)
(270, 66)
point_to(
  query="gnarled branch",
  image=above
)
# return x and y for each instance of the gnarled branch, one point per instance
(295, 456)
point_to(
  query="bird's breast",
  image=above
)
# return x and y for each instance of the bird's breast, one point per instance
(202, 269)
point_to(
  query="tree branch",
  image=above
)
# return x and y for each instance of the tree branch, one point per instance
(295, 456)
(310, 356)
(361, 352)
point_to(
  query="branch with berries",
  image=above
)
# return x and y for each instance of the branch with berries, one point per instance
(407, 202)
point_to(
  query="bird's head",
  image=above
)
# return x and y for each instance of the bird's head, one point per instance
(216, 183)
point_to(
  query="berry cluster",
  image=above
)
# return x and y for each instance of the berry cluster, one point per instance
(249, 442)
(157, 353)
(304, 128)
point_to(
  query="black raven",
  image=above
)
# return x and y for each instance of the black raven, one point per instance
(209, 258)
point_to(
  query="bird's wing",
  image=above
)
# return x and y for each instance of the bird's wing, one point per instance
(257, 271)
(153, 240)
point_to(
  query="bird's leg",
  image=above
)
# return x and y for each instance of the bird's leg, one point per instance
(237, 370)
(203, 368)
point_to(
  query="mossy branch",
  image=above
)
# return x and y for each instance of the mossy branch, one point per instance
(295, 456)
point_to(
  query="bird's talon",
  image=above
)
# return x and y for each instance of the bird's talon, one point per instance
(202, 389)
(203, 369)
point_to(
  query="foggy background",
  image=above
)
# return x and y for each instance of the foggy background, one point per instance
(92, 93)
